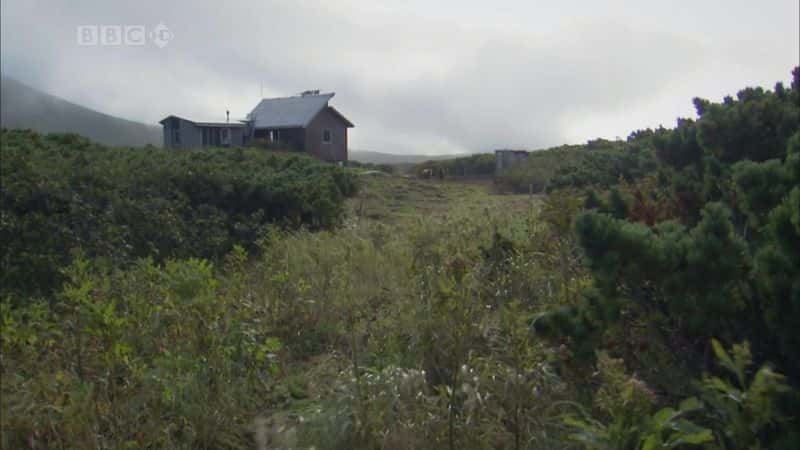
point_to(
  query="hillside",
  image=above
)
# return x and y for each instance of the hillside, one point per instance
(26, 107)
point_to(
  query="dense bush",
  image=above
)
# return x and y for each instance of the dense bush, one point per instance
(607, 164)
(709, 248)
(152, 357)
(368, 336)
(62, 193)
(599, 163)
(480, 164)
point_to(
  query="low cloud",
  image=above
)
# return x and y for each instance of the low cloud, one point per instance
(412, 83)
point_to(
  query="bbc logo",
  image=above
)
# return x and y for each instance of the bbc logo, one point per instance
(122, 35)
(134, 35)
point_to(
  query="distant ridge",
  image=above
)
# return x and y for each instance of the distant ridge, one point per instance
(367, 156)
(22, 106)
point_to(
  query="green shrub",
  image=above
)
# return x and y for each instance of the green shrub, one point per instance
(62, 193)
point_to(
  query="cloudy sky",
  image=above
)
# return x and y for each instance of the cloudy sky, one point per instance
(415, 76)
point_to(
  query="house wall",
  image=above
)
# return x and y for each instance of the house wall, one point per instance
(214, 136)
(237, 137)
(282, 138)
(336, 150)
(191, 135)
(295, 138)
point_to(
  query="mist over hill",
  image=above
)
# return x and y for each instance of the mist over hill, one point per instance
(26, 107)
(23, 106)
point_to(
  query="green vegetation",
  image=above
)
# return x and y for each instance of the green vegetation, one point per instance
(62, 193)
(387, 168)
(650, 310)
(599, 163)
(481, 164)
(707, 248)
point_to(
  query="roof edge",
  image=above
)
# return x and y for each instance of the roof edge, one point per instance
(330, 95)
(220, 124)
(341, 116)
(314, 116)
(171, 116)
(236, 123)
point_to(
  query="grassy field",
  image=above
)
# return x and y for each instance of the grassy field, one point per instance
(420, 228)
(395, 199)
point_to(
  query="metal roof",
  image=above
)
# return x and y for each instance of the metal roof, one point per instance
(284, 112)
(288, 112)
(208, 123)
(220, 124)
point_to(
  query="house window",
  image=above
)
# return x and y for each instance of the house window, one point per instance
(326, 136)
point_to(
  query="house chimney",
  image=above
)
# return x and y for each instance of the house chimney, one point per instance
(227, 116)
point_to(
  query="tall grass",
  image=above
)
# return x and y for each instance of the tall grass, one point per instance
(370, 335)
